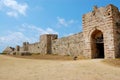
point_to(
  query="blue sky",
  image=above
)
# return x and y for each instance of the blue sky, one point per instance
(26, 20)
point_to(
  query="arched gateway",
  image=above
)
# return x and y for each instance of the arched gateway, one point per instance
(101, 31)
(97, 44)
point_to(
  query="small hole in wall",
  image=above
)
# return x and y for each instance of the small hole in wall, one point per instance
(118, 24)
(93, 13)
(38, 47)
(108, 14)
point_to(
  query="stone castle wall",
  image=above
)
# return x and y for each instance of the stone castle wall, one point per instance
(21, 49)
(116, 30)
(35, 48)
(49, 44)
(41, 47)
(101, 32)
(44, 46)
(71, 45)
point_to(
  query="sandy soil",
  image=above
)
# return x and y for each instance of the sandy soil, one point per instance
(12, 68)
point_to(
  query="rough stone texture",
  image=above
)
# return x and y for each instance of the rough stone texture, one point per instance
(9, 50)
(42, 47)
(72, 45)
(103, 19)
(100, 27)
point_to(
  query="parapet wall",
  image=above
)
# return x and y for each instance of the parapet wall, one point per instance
(72, 45)
(35, 48)
(42, 47)
(49, 44)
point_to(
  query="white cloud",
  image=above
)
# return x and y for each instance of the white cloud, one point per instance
(29, 33)
(63, 22)
(12, 14)
(50, 31)
(14, 9)
(68, 34)
(39, 30)
(12, 39)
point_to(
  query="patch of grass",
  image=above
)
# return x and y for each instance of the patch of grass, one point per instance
(112, 62)
(48, 57)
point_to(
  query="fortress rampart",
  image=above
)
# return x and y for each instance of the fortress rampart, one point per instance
(100, 37)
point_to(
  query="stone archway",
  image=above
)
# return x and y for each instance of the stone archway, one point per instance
(97, 44)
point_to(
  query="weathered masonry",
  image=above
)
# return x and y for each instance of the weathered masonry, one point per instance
(100, 37)
(101, 30)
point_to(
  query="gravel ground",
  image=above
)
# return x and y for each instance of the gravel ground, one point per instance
(12, 68)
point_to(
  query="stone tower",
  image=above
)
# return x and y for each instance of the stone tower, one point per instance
(17, 48)
(25, 46)
(46, 41)
(101, 31)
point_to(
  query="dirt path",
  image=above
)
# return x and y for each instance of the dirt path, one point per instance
(28, 69)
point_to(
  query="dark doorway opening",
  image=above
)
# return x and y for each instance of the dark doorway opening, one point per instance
(97, 44)
(100, 50)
